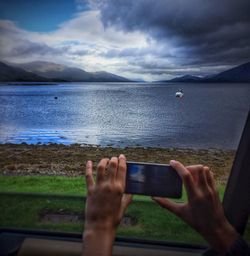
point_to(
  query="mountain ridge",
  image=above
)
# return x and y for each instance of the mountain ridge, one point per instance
(13, 74)
(50, 71)
(238, 74)
(42, 71)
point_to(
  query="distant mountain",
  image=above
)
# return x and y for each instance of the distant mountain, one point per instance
(103, 76)
(41, 71)
(239, 74)
(186, 78)
(15, 74)
(55, 71)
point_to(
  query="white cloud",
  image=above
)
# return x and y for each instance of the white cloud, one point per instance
(82, 41)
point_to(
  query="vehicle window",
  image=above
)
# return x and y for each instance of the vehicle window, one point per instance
(91, 83)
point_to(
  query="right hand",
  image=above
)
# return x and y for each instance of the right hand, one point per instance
(203, 211)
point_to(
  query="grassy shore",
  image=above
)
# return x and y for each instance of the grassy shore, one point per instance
(58, 169)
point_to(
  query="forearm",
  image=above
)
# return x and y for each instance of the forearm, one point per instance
(238, 248)
(98, 242)
(222, 238)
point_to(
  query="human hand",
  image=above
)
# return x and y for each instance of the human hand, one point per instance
(203, 211)
(106, 204)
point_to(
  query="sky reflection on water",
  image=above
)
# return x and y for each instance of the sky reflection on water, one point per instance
(209, 115)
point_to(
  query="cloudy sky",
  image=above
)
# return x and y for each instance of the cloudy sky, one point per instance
(138, 39)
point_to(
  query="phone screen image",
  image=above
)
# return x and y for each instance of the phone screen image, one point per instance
(153, 180)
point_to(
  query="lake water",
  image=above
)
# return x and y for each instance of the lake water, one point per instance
(125, 114)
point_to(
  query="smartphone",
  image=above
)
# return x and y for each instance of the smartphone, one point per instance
(153, 180)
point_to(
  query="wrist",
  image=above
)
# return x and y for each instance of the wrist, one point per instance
(98, 241)
(101, 226)
(90, 232)
(223, 237)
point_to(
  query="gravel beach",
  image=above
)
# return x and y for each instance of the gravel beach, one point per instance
(57, 159)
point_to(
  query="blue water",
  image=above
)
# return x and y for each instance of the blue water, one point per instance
(125, 114)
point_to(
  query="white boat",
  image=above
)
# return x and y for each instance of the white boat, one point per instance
(179, 94)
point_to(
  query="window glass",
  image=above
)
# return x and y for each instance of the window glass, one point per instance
(98, 80)
(59, 169)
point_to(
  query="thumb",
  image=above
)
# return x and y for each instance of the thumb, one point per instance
(126, 200)
(169, 205)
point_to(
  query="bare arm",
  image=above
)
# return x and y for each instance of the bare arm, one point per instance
(203, 211)
(105, 205)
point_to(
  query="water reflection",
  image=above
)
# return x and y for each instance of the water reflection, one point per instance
(122, 114)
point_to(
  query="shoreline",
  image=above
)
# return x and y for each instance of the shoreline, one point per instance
(69, 160)
(121, 146)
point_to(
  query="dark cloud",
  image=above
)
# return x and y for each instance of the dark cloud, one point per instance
(198, 37)
(138, 52)
(80, 52)
(27, 48)
(160, 71)
(13, 43)
(207, 32)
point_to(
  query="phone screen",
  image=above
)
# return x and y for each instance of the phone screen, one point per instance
(153, 180)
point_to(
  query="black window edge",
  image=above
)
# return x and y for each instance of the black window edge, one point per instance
(119, 240)
(236, 201)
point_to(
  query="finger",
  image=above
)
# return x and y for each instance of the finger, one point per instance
(203, 184)
(199, 175)
(126, 200)
(100, 177)
(169, 205)
(122, 169)
(210, 178)
(193, 170)
(112, 168)
(89, 174)
(186, 177)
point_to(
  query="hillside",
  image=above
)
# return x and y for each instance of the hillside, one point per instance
(15, 74)
(55, 71)
(186, 78)
(239, 74)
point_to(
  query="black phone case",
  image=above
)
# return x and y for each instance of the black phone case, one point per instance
(153, 180)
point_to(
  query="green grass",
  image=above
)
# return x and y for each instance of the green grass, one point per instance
(43, 184)
(153, 222)
(58, 185)
(24, 211)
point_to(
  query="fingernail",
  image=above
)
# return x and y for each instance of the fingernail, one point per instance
(172, 162)
(121, 156)
(89, 163)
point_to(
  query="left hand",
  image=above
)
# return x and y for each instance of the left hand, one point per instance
(106, 201)
(105, 206)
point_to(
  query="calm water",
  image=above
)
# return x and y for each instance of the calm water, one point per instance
(125, 114)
